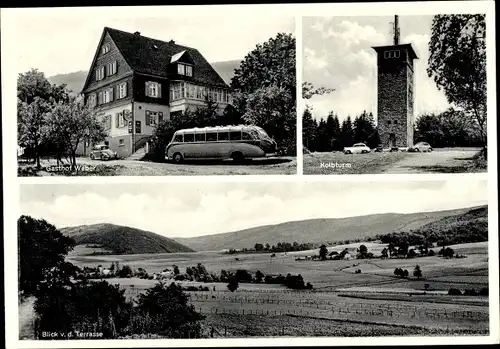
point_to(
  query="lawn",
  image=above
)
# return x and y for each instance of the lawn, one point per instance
(340, 163)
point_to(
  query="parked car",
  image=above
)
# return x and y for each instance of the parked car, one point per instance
(422, 147)
(103, 152)
(358, 148)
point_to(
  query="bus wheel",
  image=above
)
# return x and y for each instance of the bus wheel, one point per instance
(177, 158)
(237, 156)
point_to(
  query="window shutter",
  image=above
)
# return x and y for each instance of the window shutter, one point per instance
(159, 90)
(160, 117)
(117, 120)
(108, 122)
(148, 115)
(111, 90)
(126, 89)
(147, 88)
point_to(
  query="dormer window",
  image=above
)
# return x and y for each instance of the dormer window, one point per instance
(184, 69)
(105, 49)
(181, 69)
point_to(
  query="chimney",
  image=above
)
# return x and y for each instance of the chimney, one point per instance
(396, 30)
(137, 33)
(171, 42)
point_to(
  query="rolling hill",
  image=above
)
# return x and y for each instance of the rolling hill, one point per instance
(75, 81)
(123, 240)
(323, 230)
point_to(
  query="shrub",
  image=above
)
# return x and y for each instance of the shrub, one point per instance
(233, 285)
(84, 307)
(454, 292)
(470, 292)
(165, 310)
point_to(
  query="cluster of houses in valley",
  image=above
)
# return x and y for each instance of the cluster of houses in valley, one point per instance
(100, 272)
(345, 254)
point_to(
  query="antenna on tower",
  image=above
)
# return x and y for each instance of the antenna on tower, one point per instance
(396, 30)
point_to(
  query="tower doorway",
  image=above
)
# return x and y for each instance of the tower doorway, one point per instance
(392, 140)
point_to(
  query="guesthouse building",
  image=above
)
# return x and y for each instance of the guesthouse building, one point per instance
(135, 82)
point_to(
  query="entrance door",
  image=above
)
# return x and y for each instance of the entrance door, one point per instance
(392, 140)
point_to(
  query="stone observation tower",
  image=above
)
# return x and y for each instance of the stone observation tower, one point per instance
(395, 92)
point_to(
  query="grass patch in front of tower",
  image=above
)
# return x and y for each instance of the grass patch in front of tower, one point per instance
(336, 163)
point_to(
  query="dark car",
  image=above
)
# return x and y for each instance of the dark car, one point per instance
(103, 152)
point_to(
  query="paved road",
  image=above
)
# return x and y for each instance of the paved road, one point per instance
(26, 316)
(438, 161)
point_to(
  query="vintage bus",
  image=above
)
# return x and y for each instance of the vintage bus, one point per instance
(220, 142)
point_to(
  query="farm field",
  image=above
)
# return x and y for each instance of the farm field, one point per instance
(343, 303)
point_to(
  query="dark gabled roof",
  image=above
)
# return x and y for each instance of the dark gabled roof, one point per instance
(408, 47)
(151, 56)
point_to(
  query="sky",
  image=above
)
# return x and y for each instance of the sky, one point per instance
(338, 54)
(187, 209)
(58, 41)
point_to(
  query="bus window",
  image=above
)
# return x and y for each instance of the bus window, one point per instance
(223, 136)
(235, 135)
(246, 136)
(199, 137)
(178, 138)
(188, 137)
(211, 136)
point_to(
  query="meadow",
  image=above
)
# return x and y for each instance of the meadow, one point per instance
(343, 302)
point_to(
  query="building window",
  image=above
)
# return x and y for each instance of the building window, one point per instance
(112, 68)
(99, 74)
(107, 96)
(105, 49)
(92, 101)
(153, 118)
(153, 89)
(389, 122)
(122, 90)
(107, 122)
(181, 69)
(176, 91)
(121, 142)
(184, 69)
(120, 119)
(395, 122)
(392, 54)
